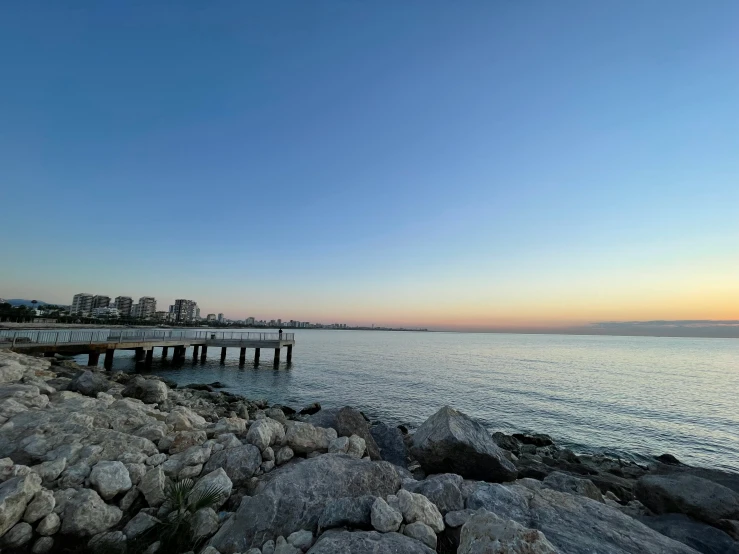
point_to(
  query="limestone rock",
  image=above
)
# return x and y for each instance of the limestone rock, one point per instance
(49, 525)
(19, 535)
(573, 524)
(339, 445)
(302, 540)
(42, 545)
(90, 383)
(702, 537)
(139, 524)
(450, 442)
(204, 523)
(152, 486)
(416, 507)
(85, 514)
(294, 498)
(51, 470)
(149, 391)
(283, 547)
(368, 542)
(688, 494)
(184, 419)
(349, 511)
(41, 506)
(390, 442)
(268, 455)
(304, 437)
(283, 455)
(567, 483)
(357, 446)
(182, 440)
(265, 432)
(239, 463)
(384, 518)
(15, 494)
(230, 425)
(486, 533)
(110, 479)
(217, 478)
(421, 532)
(442, 489)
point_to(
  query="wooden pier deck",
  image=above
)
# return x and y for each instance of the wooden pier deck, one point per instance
(143, 342)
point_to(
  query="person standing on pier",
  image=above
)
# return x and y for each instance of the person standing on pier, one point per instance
(280, 333)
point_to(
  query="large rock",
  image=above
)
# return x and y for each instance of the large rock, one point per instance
(688, 494)
(304, 438)
(15, 494)
(239, 463)
(384, 518)
(85, 514)
(391, 444)
(567, 483)
(149, 391)
(368, 542)
(573, 524)
(294, 497)
(41, 506)
(204, 523)
(139, 524)
(89, 383)
(346, 422)
(416, 507)
(351, 511)
(110, 479)
(19, 535)
(421, 532)
(443, 490)
(152, 486)
(702, 537)
(486, 533)
(265, 432)
(216, 478)
(451, 442)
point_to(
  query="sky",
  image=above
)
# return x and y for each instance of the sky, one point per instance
(477, 165)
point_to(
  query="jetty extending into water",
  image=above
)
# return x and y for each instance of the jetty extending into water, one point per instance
(143, 342)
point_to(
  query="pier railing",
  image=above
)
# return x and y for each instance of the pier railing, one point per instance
(74, 336)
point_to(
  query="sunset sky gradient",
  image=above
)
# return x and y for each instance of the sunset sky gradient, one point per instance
(474, 165)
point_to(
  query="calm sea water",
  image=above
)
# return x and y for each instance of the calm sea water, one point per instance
(630, 396)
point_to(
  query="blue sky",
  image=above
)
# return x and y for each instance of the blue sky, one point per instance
(466, 165)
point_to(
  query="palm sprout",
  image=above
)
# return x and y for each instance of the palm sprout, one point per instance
(182, 500)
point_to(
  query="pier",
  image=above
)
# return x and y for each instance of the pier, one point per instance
(104, 342)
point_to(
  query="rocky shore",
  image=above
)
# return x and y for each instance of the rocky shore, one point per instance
(93, 461)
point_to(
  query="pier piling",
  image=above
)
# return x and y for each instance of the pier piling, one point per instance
(277, 356)
(149, 357)
(289, 353)
(108, 362)
(93, 358)
(256, 356)
(195, 352)
(165, 349)
(204, 353)
(242, 355)
(223, 354)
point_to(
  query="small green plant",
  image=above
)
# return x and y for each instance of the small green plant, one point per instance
(182, 500)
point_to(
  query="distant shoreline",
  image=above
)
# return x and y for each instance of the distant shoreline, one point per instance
(685, 334)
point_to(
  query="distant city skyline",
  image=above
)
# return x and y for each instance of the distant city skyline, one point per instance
(474, 166)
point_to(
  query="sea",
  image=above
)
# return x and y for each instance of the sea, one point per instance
(630, 397)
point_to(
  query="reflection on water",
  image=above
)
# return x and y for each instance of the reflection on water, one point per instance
(622, 394)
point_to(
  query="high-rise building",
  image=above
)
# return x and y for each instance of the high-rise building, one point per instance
(147, 307)
(194, 312)
(105, 312)
(81, 304)
(124, 303)
(250, 321)
(184, 310)
(220, 318)
(211, 317)
(100, 301)
(135, 312)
